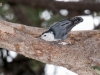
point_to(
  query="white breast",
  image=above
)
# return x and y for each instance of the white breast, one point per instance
(48, 37)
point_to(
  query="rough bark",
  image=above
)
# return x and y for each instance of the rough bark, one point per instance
(79, 56)
(56, 5)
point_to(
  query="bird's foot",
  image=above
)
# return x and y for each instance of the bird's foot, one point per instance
(63, 43)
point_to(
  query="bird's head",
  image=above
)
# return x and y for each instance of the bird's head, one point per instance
(48, 36)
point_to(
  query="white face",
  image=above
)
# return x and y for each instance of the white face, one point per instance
(48, 36)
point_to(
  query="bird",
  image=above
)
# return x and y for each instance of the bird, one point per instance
(59, 30)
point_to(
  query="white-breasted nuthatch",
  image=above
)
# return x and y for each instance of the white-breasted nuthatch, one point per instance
(59, 30)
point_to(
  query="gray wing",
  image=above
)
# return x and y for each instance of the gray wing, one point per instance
(62, 27)
(59, 31)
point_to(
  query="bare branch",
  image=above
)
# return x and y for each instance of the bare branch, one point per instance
(55, 5)
(77, 56)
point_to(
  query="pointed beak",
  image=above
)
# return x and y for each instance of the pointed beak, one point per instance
(38, 36)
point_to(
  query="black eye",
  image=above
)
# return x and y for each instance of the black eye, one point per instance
(44, 35)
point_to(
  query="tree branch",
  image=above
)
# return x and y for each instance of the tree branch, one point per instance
(79, 56)
(75, 6)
